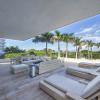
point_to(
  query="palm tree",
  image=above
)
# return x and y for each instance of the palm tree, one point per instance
(90, 45)
(88, 48)
(58, 38)
(67, 37)
(46, 37)
(78, 44)
(98, 45)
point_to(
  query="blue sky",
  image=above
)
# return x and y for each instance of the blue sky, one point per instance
(88, 29)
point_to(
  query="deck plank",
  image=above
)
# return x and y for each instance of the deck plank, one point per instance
(24, 87)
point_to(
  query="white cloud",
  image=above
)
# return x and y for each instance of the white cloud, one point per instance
(90, 33)
(97, 31)
(93, 30)
(94, 39)
(86, 30)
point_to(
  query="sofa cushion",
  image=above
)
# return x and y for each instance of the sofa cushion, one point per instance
(65, 84)
(92, 87)
(78, 69)
(19, 68)
(84, 73)
(89, 64)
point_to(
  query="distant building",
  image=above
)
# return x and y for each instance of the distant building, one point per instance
(2, 45)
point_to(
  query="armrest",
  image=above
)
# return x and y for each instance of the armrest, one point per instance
(74, 96)
(83, 81)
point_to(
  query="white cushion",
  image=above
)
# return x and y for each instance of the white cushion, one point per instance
(83, 70)
(65, 84)
(19, 68)
(89, 64)
(92, 87)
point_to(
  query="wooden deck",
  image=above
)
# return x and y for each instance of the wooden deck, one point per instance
(22, 88)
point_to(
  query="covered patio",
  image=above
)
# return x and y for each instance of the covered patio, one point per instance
(24, 19)
(17, 87)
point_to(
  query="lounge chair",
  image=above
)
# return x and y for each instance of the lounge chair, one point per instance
(49, 65)
(83, 73)
(64, 88)
(88, 65)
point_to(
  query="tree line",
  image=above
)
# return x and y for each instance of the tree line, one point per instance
(57, 36)
(13, 49)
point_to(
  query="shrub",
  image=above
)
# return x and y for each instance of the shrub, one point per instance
(12, 55)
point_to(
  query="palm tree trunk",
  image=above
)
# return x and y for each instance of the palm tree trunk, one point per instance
(46, 52)
(58, 48)
(88, 53)
(66, 49)
(76, 52)
(91, 52)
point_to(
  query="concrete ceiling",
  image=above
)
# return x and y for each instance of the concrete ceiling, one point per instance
(23, 19)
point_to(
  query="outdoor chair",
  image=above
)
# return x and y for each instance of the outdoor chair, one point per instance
(49, 65)
(64, 88)
(88, 65)
(82, 72)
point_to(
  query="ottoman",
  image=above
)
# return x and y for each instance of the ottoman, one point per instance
(20, 68)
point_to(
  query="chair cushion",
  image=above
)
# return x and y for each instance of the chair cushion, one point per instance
(92, 87)
(65, 84)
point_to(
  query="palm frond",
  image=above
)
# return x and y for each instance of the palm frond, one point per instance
(43, 37)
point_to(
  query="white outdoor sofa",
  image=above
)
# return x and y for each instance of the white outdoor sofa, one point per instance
(49, 65)
(20, 68)
(29, 62)
(89, 65)
(64, 88)
(82, 72)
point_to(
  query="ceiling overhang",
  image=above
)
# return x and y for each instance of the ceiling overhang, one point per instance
(23, 19)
